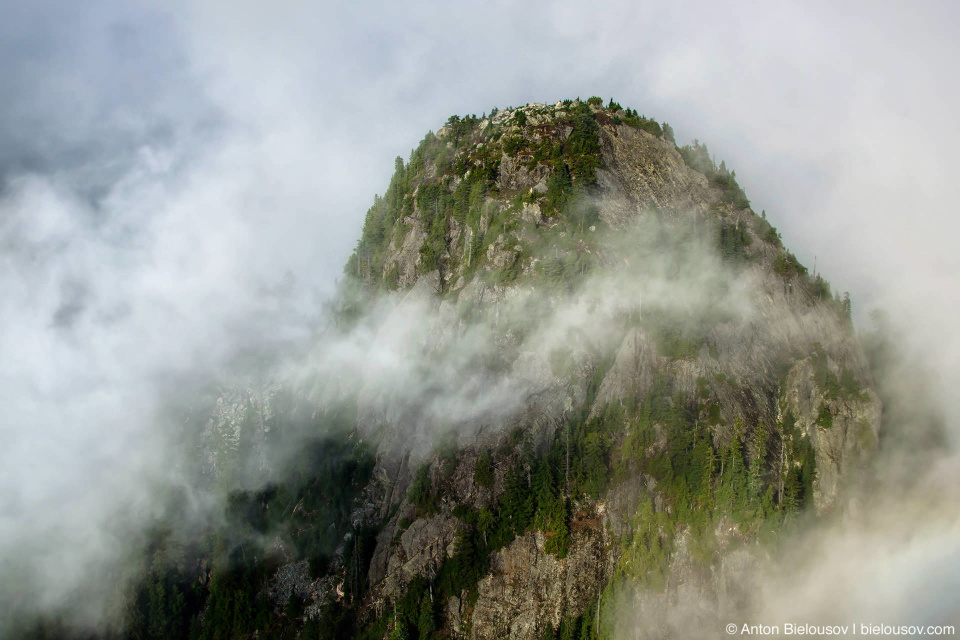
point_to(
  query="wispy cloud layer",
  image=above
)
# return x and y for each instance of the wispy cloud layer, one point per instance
(161, 165)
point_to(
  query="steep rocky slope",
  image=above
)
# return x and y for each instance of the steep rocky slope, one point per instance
(588, 211)
(571, 373)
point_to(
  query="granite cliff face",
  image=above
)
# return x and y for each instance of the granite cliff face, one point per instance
(635, 378)
(769, 363)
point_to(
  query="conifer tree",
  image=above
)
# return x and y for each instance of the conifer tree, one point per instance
(425, 621)
(757, 458)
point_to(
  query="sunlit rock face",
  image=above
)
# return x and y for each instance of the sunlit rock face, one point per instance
(570, 381)
(581, 269)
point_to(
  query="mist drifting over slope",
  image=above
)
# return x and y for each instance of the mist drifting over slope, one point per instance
(162, 169)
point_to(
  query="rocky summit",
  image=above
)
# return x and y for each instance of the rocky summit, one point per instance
(572, 386)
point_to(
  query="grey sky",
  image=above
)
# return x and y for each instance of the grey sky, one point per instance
(161, 162)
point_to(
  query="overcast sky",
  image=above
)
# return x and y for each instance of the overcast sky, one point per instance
(837, 120)
(161, 162)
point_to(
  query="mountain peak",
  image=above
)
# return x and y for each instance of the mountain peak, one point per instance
(480, 194)
(569, 362)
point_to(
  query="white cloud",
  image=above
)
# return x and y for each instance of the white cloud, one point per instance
(159, 164)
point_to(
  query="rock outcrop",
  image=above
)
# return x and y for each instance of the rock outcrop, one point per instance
(611, 271)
